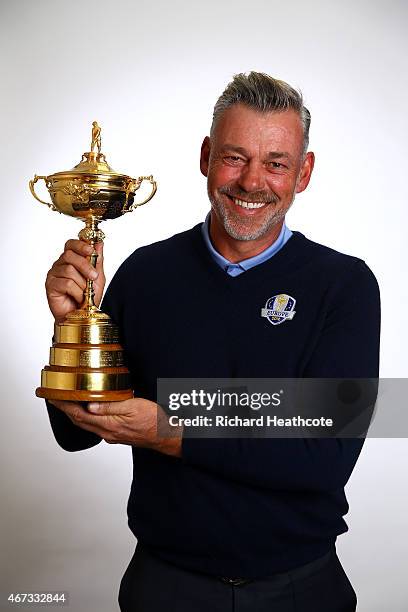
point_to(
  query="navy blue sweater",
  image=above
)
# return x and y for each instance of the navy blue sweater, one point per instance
(240, 507)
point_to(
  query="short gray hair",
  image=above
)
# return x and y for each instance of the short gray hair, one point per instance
(265, 94)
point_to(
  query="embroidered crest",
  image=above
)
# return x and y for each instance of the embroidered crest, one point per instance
(279, 308)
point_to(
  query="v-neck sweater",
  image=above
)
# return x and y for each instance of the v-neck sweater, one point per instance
(240, 507)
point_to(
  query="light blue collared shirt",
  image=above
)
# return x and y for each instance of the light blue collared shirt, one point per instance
(234, 269)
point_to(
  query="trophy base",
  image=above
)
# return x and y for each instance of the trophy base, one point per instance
(86, 361)
(83, 396)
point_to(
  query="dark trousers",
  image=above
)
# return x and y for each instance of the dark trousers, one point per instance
(152, 585)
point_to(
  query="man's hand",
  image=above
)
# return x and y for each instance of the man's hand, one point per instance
(134, 422)
(67, 278)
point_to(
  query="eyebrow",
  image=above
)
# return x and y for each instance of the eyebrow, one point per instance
(278, 155)
(231, 147)
(242, 151)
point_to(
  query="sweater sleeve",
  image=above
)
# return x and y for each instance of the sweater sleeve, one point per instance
(347, 347)
(70, 437)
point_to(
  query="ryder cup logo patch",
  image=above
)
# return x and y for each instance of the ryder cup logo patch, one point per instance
(279, 308)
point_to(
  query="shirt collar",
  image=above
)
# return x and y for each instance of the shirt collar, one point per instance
(245, 264)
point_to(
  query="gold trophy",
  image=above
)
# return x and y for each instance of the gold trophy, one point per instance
(86, 359)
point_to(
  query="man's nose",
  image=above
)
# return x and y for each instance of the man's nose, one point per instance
(252, 177)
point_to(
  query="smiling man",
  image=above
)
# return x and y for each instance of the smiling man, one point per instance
(230, 524)
(255, 163)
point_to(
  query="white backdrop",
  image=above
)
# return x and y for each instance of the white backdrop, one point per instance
(150, 72)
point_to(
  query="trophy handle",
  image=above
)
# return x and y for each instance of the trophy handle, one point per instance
(134, 185)
(32, 183)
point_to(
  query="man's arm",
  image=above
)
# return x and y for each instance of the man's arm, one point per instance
(348, 347)
(65, 284)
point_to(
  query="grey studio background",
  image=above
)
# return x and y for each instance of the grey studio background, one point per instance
(149, 73)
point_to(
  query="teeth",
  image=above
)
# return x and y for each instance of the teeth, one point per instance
(248, 204)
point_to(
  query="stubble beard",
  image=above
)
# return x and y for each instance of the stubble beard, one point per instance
(250, 228)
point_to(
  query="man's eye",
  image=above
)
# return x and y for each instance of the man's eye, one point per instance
(233, 159)
(275, 164)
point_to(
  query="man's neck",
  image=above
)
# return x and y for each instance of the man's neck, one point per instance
(238, 250)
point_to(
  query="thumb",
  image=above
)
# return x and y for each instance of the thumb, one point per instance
(99, 250)
(109, 408)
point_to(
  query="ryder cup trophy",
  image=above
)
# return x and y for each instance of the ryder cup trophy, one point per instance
(86, 359)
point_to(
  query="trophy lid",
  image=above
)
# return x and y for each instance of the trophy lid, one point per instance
(92, 189)
(93, 162)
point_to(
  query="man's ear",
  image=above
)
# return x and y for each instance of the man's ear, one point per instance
(205, 155)
(305, 172)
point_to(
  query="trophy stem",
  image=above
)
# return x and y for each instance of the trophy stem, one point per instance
(92, 235)
(89, 294)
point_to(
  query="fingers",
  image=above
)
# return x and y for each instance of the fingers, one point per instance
(83, 248)
(78, 246)
(59, 286)
(70, 272)
(67, 279)
(77, 252)
(70, 260)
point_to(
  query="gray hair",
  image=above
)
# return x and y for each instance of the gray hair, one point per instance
(265, 94)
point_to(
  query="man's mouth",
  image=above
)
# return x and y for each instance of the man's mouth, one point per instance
(245, 204)
(248, 204)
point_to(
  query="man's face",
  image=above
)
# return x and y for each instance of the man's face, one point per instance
(254, 166)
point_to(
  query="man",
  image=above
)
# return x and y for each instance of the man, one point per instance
(96, 137)
(232, 524)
